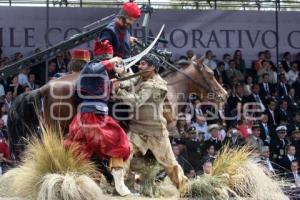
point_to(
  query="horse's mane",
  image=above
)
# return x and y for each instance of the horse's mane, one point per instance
(181, 64)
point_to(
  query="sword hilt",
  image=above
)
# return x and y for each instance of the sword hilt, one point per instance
(120, 66)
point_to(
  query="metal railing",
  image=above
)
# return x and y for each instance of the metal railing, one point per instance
(263, 5)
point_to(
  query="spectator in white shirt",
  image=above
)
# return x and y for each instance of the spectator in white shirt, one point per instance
(287, 159)
(4, 113)
(201, 126)
(267, 69)
(233, 72)
(23, 76)
(281, 70)
(291, 152)
(209, 56)
(292, 75)
(248, 85)
(196, 108)
(265, 159)
(31, 82)
(2, 90)
(226, 59)
(295, 174)
(8, 100)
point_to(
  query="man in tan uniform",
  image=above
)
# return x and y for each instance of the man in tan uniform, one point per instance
(148, 126)
(254, 140)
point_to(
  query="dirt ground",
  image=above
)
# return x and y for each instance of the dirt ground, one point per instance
(114, 198)
(141, 198)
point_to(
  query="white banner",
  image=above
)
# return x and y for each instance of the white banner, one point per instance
(24, 29)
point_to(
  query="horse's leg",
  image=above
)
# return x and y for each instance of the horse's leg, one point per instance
(102, 166)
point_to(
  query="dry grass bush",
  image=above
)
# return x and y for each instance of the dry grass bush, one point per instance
(235, 176)
(50, 171)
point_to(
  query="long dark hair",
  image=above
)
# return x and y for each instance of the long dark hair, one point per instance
(1, 113)
(235, 56)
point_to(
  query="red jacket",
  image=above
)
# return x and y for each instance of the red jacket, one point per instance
(4, 149)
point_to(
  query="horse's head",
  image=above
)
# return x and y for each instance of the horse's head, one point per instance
(214, 90)
(190, 78)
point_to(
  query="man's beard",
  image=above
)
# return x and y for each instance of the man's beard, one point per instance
(125, 24)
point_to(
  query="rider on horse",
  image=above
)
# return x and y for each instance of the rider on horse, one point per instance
(116, 33)
(92, 129)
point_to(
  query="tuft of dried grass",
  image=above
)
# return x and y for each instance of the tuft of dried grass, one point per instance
(44, 156)
(252, 182)
(236, 176)
(209, 187)
(230, 160)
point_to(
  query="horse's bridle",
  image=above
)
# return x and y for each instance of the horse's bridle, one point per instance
(188, 76)
(200, 70)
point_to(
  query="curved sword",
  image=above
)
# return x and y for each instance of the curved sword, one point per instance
(136, 58)
(133, 75)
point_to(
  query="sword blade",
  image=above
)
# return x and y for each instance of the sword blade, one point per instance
(136, 58)
(133, 75)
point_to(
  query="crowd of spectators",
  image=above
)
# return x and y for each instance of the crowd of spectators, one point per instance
(25, 80)
(263, 111)
(272, 129)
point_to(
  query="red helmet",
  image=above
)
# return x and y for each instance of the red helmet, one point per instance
(81, 54)
(130, 9)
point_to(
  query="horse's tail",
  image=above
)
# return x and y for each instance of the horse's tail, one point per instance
(23, 117)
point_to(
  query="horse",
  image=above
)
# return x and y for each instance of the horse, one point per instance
(57, 101)
(47, 103)
(194, 78)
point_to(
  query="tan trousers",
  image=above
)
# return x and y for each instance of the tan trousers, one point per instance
(162, 151)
